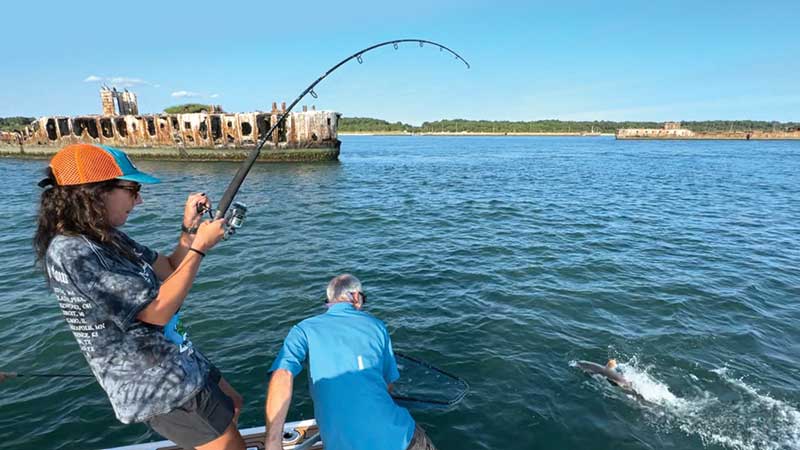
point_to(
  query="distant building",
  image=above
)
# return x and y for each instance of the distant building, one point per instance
(672, 125)
(126, 103)
(107, 99)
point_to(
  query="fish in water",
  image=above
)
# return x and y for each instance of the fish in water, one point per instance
(610, 372)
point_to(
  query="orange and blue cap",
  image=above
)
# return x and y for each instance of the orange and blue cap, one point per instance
(88, 163)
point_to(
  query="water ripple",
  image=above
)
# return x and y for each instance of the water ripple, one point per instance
(499, 259)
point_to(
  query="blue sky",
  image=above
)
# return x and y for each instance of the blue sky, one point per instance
(618, 60)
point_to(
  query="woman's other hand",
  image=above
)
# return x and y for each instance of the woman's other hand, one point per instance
(196, 205)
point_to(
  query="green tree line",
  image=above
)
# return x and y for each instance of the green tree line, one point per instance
(187, 108)
(15, 123)
(365, 124)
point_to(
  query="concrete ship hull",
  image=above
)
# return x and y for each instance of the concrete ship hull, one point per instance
(303, 136)
(684, 134)
(320, 152)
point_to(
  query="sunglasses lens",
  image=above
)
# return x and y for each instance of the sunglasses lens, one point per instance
(133, 189)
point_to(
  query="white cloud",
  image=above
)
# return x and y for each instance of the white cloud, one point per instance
(124, 82)
(181, 94)
(214, 95)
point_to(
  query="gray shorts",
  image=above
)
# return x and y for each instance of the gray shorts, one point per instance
(420, 441)
(200, 420)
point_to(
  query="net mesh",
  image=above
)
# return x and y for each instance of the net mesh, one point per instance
(65, 168)
(83, 163)
(98, 165)
(423, 386)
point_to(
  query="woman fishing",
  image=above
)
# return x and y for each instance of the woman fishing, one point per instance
(117, 295)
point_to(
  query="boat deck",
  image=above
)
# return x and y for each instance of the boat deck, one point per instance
(301, 435)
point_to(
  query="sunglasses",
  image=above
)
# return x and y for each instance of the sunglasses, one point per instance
(363, 297)
(352, 296)
(132, 188)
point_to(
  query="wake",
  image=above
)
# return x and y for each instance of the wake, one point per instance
(735, 416)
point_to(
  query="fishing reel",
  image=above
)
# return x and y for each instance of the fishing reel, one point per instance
(234, 219)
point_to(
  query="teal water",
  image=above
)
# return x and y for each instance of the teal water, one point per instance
(499, 259)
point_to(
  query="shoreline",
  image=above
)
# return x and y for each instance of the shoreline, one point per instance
(695, 137)
(470, 133)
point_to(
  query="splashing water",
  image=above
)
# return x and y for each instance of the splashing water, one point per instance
(646, 385)
(740, 419)
(754, 421)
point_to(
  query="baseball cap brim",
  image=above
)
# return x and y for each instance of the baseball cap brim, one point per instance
(140, 177)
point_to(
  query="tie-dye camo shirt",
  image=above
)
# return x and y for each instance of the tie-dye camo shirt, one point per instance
(100, 294)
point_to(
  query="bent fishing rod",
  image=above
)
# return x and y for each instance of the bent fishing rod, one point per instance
(247, 164)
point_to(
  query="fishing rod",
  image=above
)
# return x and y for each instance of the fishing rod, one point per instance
(247, 164)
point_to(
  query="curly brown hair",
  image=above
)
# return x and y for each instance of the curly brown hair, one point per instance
(74, 210)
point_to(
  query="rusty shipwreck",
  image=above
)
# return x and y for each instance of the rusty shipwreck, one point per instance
(309, 135)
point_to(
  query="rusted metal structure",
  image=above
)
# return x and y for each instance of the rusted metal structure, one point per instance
(196, 130)
(307, 135)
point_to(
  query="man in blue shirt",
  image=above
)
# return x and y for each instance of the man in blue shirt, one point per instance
(351, 371)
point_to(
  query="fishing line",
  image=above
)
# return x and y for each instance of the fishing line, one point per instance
(247, 164)
(444, 390)
(9, 375)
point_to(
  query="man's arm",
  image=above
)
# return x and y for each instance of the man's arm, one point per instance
(279, 396)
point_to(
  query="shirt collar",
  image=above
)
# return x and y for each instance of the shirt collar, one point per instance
(341, 306)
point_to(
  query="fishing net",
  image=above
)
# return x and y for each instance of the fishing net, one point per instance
(423, 386)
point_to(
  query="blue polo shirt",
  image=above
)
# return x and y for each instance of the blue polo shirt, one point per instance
(350, 362)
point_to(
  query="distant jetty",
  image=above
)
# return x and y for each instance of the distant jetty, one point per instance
(673, 131)
(204, 136)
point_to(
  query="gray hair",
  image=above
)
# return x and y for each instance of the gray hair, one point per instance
(341, 285)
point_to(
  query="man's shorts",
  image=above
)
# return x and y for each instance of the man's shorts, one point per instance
(200, 420)
(420, 441)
